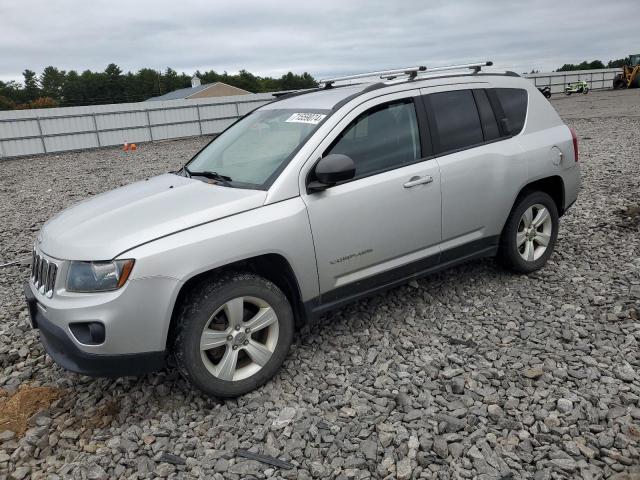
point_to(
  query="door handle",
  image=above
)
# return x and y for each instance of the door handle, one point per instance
(418, 181)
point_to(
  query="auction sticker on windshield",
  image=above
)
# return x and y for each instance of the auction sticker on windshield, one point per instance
(313, 118)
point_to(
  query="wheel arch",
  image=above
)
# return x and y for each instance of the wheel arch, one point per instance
(552, 185)
(272, 266)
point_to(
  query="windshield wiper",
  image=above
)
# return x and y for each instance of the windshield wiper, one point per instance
(225, 180)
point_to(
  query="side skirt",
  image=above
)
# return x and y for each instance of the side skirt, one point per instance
(341, 296)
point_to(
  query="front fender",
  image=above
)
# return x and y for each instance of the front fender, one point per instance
(281, 228)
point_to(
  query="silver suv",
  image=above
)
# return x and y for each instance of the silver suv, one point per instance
(312, 201)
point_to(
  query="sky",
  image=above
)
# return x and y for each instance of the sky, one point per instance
(323, 37)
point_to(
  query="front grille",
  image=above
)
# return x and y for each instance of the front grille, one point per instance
(43, 274)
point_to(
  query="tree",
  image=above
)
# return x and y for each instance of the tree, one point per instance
(31, 89)
(52, 83)
(93, 87)
(621, 62)
(57, 87)
(72, 93)
(146, 83)
(172, 81)
(594, 65)
(41, 102)
(247, 81)
(291, 81)
(6, 103)
(114, 87)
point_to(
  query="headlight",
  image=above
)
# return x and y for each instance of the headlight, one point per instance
(98, 276)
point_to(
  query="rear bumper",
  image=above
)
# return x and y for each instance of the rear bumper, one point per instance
(65, 353)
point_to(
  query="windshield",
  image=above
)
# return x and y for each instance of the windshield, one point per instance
(254, 150)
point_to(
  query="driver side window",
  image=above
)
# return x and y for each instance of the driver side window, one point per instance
(382, 138)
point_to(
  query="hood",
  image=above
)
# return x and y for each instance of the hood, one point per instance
(106, 225)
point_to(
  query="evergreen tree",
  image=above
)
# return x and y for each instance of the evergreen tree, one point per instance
(31, 89)
(72, 93)
(55, 86)
(114, 84)
(52, 83)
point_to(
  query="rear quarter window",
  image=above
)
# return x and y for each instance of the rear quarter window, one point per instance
(514, 106)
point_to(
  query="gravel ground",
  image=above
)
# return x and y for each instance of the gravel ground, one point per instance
(471, 373)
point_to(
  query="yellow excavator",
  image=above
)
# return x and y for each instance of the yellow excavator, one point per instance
(630, 76)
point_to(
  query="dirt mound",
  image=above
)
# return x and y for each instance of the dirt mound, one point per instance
(15, 410)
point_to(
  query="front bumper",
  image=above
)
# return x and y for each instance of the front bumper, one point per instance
(65, 353)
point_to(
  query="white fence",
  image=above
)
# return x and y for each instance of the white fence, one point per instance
(597, 79)
(32, 132)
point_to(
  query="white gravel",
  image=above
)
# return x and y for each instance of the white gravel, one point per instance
(471, 373)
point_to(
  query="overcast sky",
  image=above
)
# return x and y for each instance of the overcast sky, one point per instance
(323, 37)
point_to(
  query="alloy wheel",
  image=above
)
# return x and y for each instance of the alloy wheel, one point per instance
(239, 338)
(534, 232)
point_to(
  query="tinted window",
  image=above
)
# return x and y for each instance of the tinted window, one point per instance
(382, 138)
(488, 119)
(456, 120)
(514, 105)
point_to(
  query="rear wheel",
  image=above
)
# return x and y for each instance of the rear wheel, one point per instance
(233, 334)
(529, 236)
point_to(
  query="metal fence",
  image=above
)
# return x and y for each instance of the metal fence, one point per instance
(32, 132)
(597, 79)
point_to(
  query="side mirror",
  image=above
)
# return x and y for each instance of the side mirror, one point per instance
(506, 127)
(332, 169)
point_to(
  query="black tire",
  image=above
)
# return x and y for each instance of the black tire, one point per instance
(509, 252)
(201, 302)
(618, 82)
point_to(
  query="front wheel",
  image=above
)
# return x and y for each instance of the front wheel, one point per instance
(586, 90)
(233, 334)
(567, 92)
(530, 234)
(618, 82)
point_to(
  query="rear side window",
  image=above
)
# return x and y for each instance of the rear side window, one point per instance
(514, 105)
(455, 120)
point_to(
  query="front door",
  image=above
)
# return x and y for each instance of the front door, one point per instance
(385, 223)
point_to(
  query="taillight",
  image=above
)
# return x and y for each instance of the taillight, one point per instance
(575, 144)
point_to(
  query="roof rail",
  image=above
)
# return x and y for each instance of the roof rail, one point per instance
(411, 72)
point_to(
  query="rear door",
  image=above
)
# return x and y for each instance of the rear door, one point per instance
(480, 167)
(374, 229)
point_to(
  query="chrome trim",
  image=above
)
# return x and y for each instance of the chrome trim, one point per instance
(44, 273)
(418, 181)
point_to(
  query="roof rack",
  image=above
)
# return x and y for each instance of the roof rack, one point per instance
(410, 72)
